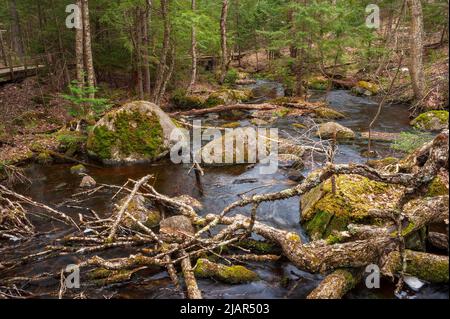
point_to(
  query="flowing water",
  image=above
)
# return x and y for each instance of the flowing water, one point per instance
(55, 184)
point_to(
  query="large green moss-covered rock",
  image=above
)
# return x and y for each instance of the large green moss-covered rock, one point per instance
(137, 132)
(431, 121)
(323, 212)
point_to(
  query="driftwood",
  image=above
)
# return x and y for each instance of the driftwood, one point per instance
(226, 108)
(335, 285)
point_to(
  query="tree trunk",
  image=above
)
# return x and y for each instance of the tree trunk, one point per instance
(16, 31)
(89, 64)
(162, 66)
(79, 49)
(416, 40)
(146, 48)
(223, 41)
(193, 51)
(138, 26)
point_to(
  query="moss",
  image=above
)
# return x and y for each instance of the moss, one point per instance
(299, 126)
(334, 239)
(78, 169)
(103, 277)
(381, 163)
(133, 133)
(44, 158)
(437, 187)
(228, 274)
(432, 120)
(71, 142)
(231, 125)
(262, 247)
(371, 87)
(293, 237)
(283, 112)
(328, 113)
(318, 83)
(423, 266)
(324, 212)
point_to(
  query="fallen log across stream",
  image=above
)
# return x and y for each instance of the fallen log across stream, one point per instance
(178, 245)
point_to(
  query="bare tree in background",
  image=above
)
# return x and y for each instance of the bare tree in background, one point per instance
(193, 51)
(223, 40)
(416, 55)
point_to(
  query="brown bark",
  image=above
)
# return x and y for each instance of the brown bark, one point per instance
(16, 31)
(335, 285)
(193, 292)
(223, 41)
(416, 56)
(226, 108)
(162, 66)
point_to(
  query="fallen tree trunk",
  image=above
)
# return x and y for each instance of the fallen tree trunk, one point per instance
(191, 284)
(228, 274)
(226, 108)
(429, 267)
(335, 285)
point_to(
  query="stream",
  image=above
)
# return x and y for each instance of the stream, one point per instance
(55, 184)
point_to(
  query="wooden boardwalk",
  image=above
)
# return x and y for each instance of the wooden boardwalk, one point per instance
(18, 72)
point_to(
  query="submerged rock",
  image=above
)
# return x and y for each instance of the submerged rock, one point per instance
(137, 132)
(431, 121)
(329, 129)
(191, 201)
(176, 228)
(88, 182)
(323, 212)
(141, 210)
(78, 169)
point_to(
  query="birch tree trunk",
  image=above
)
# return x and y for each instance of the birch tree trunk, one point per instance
(223, 41)
(416, 40)
(89, 64)
(146, 47)
(193, 51)
(79, 49)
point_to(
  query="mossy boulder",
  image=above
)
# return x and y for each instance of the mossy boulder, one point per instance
(136, 132)
(365, 88)
(141, 210)
(328, 113)
(431, 121)
(330, 129)
(228, 96)
(228, 274)
(318, 83)
(78, 169)
(323, 212)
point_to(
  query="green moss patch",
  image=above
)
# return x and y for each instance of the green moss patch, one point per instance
(132, 134)
(324, 212)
